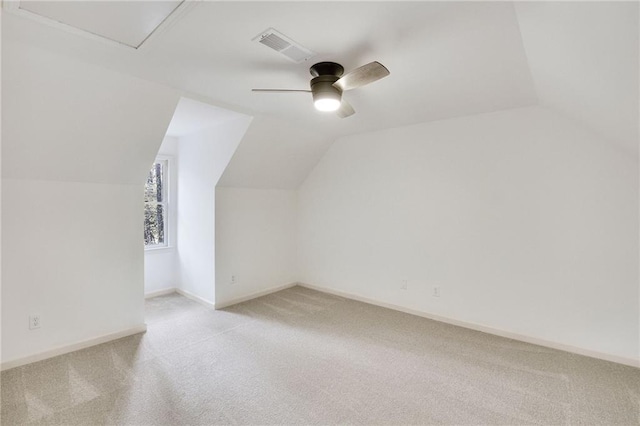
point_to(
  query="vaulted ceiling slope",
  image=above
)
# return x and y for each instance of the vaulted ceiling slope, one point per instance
(274, 153)
(66, 120)
(447, 59)
(584, 62)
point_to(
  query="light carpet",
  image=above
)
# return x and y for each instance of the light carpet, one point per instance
(304, 357)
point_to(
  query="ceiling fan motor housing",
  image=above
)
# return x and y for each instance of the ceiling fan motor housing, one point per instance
(325, 74)
(326, 68)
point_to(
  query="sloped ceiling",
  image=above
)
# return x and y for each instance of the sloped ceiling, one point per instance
(67, 120)
(447, 59)
(192, 116)
(291, 152)
(584, 62)
(127, 22)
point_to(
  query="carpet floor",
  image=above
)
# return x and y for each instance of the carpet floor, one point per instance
(303, 357)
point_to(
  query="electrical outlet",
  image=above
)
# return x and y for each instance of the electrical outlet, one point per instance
(34, 322)
(234, 279)
(436, 291)
(403, 284)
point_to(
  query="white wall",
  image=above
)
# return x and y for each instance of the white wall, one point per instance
(73, 255)
(527, 223)
(0, 187)
(255, 241)
(202, 158)
(77, 141)
(161, 265)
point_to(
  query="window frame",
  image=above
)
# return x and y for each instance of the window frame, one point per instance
(166, 202)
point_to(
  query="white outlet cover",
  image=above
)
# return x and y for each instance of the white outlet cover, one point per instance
(34, 322)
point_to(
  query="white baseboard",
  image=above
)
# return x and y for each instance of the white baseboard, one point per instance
(61, 350)
(195, 298)
(483, 328)
(157, 293)
(224, 304)
(261, 293)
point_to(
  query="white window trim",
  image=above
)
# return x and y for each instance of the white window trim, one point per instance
(167, 203)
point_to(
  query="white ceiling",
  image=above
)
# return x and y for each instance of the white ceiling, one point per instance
(126, 22)
(192, 116)
(447, 59)
(584, 61)
(274, 153)
(66, 120)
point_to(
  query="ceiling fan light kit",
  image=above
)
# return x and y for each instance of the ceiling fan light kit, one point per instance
(329, 103)
(326, 97)
(328, 83)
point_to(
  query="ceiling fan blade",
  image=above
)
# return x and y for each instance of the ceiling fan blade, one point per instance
(280, 90)
(365, 74)
(345, 110)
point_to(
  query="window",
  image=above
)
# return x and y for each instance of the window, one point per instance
(155, 205)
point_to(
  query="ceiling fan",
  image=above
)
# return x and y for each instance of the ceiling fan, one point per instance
(328, 83)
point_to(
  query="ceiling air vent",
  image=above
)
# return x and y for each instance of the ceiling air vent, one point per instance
(284, 45)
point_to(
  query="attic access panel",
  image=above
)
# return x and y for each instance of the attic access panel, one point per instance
(128, 23)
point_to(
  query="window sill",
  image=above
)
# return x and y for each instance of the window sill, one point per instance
(161, 248)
